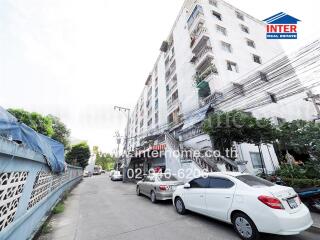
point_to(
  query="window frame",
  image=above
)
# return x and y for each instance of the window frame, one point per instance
(221, 30)
(227, 47)
(232, 64)
(255, 166)
(217, 15)
(202, 178)
(255, 56)
(239, 15)
(245, 29)
(221, 178)
(251, 41)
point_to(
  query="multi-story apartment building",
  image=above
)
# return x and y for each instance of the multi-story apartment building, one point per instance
(210, 47)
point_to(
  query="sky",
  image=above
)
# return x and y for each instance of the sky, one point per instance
(76, 59)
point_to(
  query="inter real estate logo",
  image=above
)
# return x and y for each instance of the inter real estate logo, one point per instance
(281, 26)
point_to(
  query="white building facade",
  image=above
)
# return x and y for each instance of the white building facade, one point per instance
(210, 49)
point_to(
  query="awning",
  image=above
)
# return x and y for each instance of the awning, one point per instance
(195, 117)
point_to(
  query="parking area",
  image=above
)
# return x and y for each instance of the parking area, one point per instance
(101, 209)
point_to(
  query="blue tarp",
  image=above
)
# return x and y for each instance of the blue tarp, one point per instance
(17, 131)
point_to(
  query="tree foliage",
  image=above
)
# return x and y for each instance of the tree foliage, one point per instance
(301, 136)
(36, 121)
(79, 155)
(60, 131)
(225, 128)
(105, 160)
(50, 125)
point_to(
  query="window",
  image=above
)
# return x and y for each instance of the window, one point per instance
(156, 118)
(244, 28)
(256, 58)
(156, 103)
(141, 124)
(156, 92)
(256, 160)
(149, 122)
(251, 43)
(226, 47)
(280, 120)
(240, 16)
(200, 183)
(231, 66)
(254, 181)
(149, 179)
(221, 30)
(220, 183)
(213, 3)
(217, 15)
(273, 97)
(263, 76)
(167, 178)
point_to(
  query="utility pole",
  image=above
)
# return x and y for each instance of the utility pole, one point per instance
(127, 110)
(118, 139)
(315, 99)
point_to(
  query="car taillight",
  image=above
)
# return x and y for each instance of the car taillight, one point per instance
(271, 202)
(163, 187)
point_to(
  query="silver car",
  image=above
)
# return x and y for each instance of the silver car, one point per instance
(116, 176)
(158, 186)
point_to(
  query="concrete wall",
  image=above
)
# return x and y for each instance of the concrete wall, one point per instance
(28, 190)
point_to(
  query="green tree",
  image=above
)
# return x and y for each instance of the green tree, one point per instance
(301, 136)
(36, 121)
(225, 128)
(105, 160)
(60, 132)
(50, 125)
(79, 155)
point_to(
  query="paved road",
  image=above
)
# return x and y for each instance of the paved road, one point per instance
(101, 209)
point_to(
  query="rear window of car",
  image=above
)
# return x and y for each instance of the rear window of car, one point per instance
(254, 181)
(164, 178)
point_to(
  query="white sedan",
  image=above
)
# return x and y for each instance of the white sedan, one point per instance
(250, 203)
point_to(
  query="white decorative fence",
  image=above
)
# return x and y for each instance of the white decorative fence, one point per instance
(28, 190)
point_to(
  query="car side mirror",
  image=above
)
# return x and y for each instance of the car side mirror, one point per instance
(187, 185)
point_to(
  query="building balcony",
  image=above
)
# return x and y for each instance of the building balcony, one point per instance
(170, 71)
(196, 13)
(204, 75)
(203, 56)
(212, 99)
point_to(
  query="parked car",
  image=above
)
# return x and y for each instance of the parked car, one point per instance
(116, 176)
(85, 173)
(250, 203)
(158, 186)
(111, 173)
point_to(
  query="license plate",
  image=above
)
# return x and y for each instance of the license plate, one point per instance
(292, 203)
(173, 188)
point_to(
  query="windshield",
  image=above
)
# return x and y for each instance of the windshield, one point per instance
(254, 181)
(164, 178)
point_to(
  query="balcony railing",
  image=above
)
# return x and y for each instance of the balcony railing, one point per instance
(201, 53)
(170, 71)
(198, 78)
(196, 36)
(191, 133)
(213, 98)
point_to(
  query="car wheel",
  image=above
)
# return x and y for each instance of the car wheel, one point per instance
(138, 191)
(153, 197)
(180, 208)
(245, 227)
